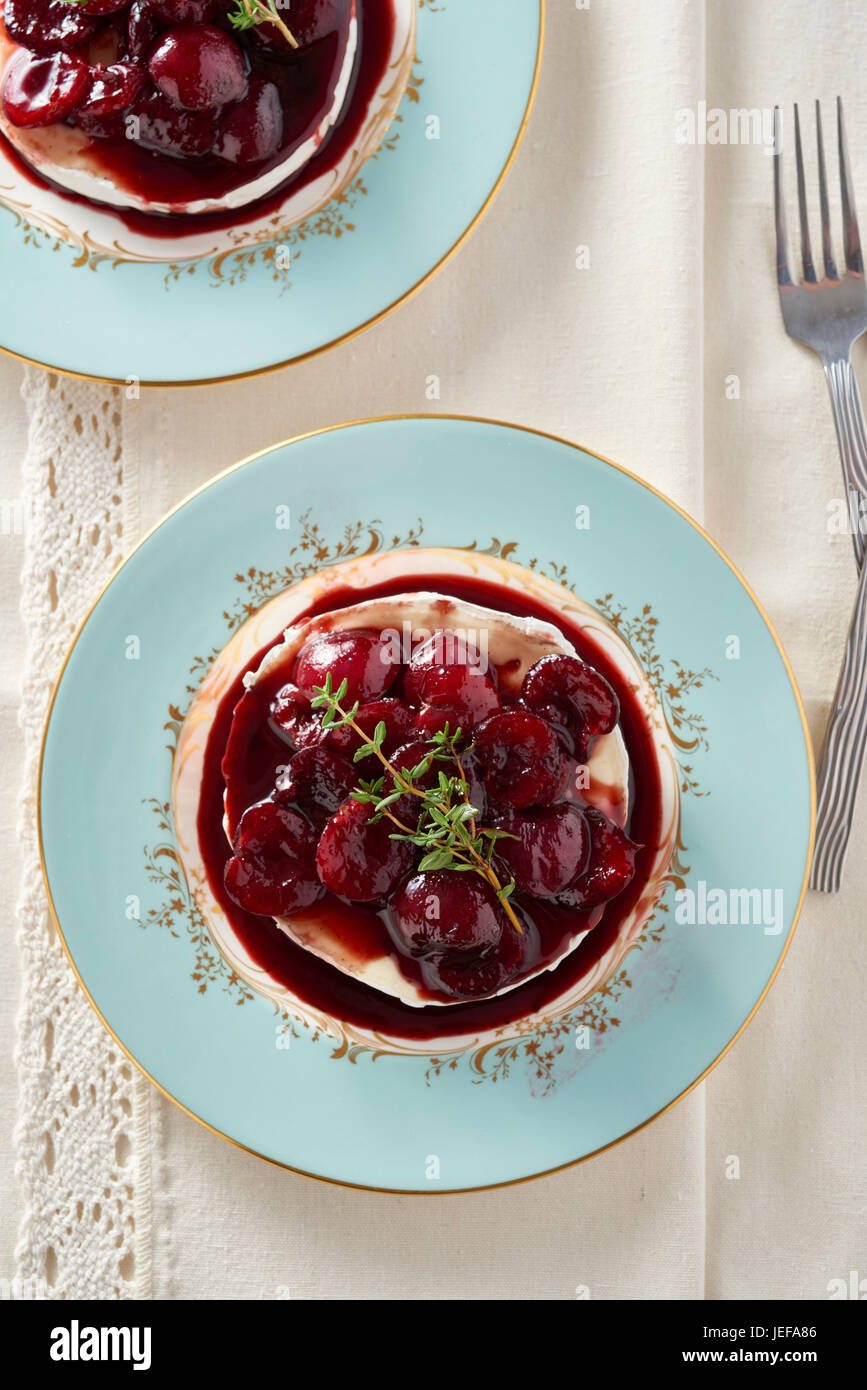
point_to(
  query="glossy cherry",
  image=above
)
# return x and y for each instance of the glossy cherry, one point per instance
(251, 129)
(359, 860)
(549, 851)
(112, 89)
(467, 975)
(318, 780)
(142, 27)
(164, 127)
(611, 865)
(272, 871)
(573, 695)
(103, 127)
(293, 716)
(443, 650)
(39, 91)
(48, 26)
(364, 658)
(460, 696)
(518, 758)
(198, 67)
(445, 911)
(471, 977)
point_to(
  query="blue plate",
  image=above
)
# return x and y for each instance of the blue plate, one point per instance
(75, 302)
(527, 1103)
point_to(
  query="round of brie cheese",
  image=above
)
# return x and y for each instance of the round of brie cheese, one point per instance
(510, 644)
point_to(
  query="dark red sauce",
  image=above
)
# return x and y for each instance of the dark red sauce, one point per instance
(306, 83)
(328, 989)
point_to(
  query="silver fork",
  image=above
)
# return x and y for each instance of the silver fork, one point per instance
(828, 315)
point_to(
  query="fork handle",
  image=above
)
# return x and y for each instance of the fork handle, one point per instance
(842, 754)
(852, 439)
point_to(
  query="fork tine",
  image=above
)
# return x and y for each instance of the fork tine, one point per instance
(851, 238)
(827, 249)
(806, 248)
(784, 274)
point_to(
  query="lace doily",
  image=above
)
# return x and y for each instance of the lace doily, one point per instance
(87, 1134)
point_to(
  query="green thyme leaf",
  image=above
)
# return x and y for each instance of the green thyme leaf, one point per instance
(445, 827)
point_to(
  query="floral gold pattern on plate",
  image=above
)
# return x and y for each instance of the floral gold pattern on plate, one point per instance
(530, 1097)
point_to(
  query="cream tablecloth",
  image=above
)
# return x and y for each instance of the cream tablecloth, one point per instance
(666, 353)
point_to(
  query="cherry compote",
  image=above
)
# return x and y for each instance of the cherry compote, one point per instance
(451, 933)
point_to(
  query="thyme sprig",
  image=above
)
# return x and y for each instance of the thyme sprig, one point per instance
(446, 826)
(249, 13)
